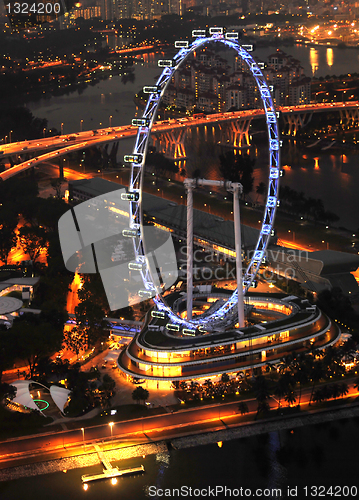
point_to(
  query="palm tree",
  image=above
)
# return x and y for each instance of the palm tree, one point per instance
(263, 407)
(301, 376)
(243, 407)
(290, 397)
(286, 363)
(225, 377)
(331, 359)
(280, 390)
(208, 383)
(343, 389)
(349, 348)
(317, 373)
(356, 383)
(270, 368)
(334, 390)
(318, 396)
(194, 386)
(260, 387)
(183, 385)
(140, 394)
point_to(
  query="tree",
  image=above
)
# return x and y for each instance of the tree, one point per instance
(290, 397)
(92, 290)
(7, 391)
(8, 222)
(343, 389)
(140, 394)
(183, 385)
(301, 376)
(7, 350)
(194, 386)
(107, 390)
(271, 369)
(263, 408)
(33, 240)
(75, 340)
(49, 211)
(261, 390)
(238, 168)
(161, 164)
(334, 390)
(90, 323)
(316, 374)
(200, 157)
(243, 407)
(35, 340)
(260, 190)
(56, 184)
(8, 240)
(318, 396)
(280, 390)
(22, 122)
(225, 377)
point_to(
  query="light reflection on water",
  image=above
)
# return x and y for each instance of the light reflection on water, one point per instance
(300, 457)
(330, 57)
(332, 177)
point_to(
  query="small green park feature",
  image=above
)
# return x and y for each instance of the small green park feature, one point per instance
(42, 401)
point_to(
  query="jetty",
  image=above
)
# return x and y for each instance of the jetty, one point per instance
(313, 144)
(329, 145)
(109, 472)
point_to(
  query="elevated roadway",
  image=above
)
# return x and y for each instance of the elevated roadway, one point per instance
(52, 147)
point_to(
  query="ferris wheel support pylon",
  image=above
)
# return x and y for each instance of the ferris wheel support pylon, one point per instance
(236, 188)
(137, 160)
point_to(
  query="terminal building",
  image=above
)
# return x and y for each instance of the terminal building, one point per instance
(162, 353)
(210, 231)
(289, 324)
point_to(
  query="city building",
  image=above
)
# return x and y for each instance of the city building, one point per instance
(210, 84)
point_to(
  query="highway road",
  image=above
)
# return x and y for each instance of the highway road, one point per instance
(64, 144)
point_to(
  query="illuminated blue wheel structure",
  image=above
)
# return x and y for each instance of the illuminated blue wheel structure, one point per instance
(137, 159)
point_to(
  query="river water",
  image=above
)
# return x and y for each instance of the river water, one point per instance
(321, 455)
(329, 175)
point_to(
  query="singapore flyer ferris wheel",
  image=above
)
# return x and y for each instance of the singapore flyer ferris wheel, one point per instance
(138, 157)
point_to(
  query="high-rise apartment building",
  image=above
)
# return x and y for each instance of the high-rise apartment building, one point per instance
(210, 84)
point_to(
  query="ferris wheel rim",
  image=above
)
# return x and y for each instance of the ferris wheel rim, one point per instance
(136, 182)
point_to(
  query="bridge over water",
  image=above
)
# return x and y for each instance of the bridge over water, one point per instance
(169, 136)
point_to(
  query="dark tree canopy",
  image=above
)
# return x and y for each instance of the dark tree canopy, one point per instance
(22, 123)
(238, 168)
(140, 394)
(35, 340)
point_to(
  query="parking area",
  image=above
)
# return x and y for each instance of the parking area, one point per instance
(124, 388)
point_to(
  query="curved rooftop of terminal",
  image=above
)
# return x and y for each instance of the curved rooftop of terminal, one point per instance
(291, 324)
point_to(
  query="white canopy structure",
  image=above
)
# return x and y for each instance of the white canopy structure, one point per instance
(23, 397)
(59, 396)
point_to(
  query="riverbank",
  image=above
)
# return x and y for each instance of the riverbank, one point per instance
(190, 440)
